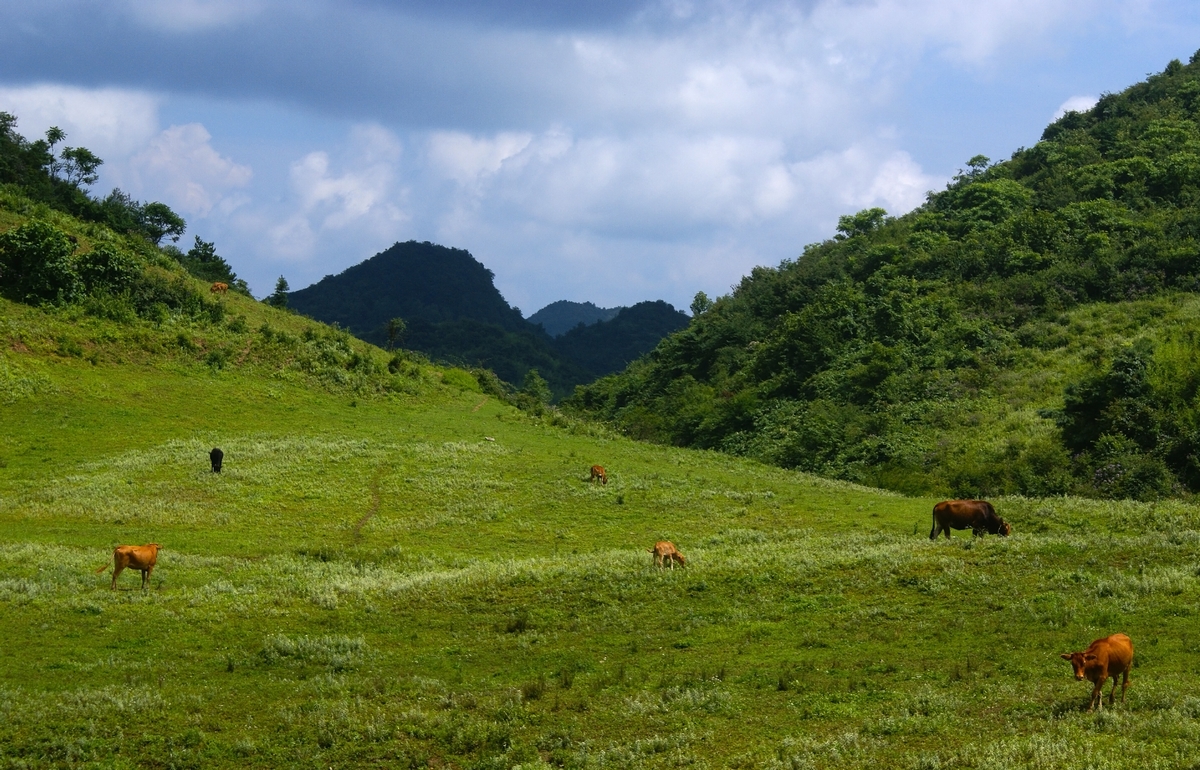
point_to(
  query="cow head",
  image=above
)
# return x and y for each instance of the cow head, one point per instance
(1079, 661)
(679, 557)
(1005, 529)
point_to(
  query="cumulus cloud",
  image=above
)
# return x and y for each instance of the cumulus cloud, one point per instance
(465, 158)
(1075, 104)
(361, 195)
(181, 164)
(111, 122)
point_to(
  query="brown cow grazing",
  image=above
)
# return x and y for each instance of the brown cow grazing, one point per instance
(977, 515)
(598, 473)
(665, 551)
(1110, 656)
(219, 288)
(139, 557)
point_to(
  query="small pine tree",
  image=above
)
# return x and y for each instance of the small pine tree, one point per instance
(279, 298)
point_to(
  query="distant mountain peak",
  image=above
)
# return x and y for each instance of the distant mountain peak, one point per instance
(560, 317)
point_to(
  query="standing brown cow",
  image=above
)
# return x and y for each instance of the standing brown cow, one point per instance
(665, 551)
(598, 473)
(977, 515)
(139, 557)
(1110, 656)
(219, 288)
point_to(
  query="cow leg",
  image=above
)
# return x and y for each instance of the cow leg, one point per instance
(1124, 684)
(116, 571)
(1097, 697)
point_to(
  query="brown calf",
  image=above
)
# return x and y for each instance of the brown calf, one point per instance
(219, 288)
(665, 551)
(139, 557)
(1111, 656)
(598, 473)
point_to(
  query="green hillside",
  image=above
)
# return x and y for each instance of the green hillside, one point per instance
(1030, 329)
(395, 569)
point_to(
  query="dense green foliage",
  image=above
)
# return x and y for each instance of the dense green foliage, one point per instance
(111, 278)
(560, 317)
(884, 354)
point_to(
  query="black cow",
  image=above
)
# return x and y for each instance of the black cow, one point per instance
(216, 456)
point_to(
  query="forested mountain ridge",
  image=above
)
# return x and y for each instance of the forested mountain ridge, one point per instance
(452, 311)
(1029, 329)
(611, 345)
(560, 317)
(450, 307)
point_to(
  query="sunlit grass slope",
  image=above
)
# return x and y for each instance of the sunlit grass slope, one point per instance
(420, 576)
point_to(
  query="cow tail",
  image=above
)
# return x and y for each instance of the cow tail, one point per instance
(106, 566)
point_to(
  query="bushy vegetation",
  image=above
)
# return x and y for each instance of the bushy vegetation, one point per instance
(959, 349)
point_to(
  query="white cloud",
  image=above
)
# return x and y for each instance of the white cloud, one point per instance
(966, 32)
(363, 196)
(465, 158)
(110, 122)
(192, 15)
(1075, 104)
(192, 175)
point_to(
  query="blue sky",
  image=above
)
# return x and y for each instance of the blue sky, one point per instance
(606, 151)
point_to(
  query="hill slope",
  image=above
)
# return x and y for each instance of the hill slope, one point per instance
(1025, 331)
(395, 569)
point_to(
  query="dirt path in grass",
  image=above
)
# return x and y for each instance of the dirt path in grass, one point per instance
(374, 509)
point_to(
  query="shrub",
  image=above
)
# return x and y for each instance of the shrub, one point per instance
(36, 265)
(108, 270)
(460, 379)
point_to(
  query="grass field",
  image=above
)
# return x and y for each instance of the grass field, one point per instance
(426, 578)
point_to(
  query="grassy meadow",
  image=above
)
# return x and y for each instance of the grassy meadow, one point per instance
(424, 577)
